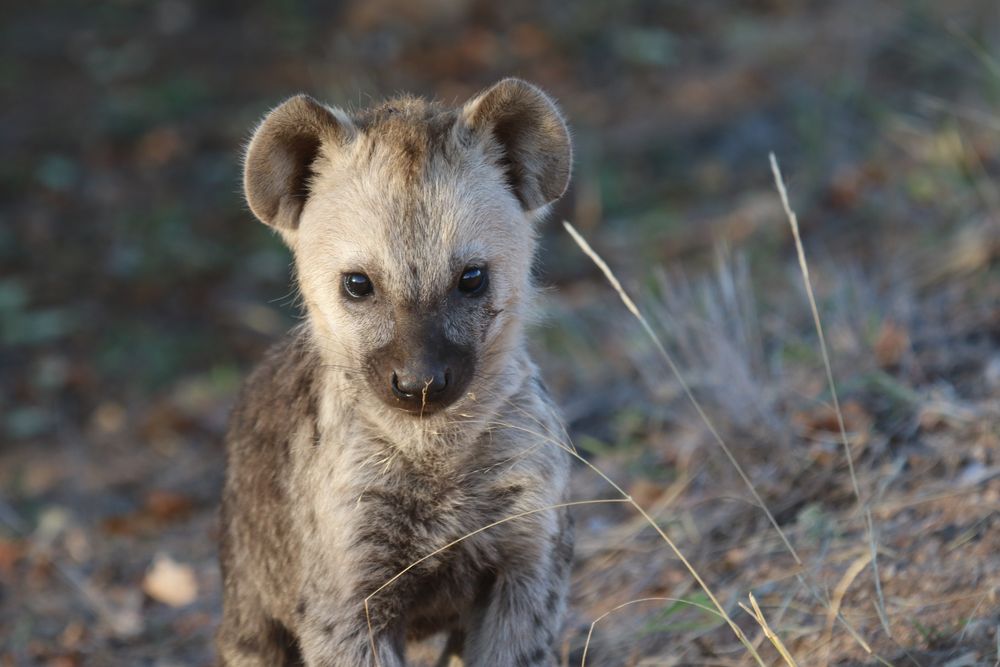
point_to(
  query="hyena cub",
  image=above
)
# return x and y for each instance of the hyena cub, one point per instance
(405, 412)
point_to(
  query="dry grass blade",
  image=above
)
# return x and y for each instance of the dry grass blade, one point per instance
(793, 220)
(879, 597)
(804, 266)
(590, 633)
(774, 639)
(839, 592)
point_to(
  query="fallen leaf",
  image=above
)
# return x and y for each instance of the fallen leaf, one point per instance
(73, 634)
(63, 661)
(645, 492)
(168, 506)
(892, 343)
(159, 507)
(822, 422)
(10, 552)
(170, 582)
(159, 146)
(109, 418)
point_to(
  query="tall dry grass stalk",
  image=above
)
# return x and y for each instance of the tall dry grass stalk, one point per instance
(775, 640)
(804, 266)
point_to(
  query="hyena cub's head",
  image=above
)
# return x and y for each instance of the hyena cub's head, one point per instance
(411, 226)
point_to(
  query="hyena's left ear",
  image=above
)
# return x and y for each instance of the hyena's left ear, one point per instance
(531, 135)
(280, 159)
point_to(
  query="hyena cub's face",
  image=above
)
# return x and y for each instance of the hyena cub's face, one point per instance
(411, 229)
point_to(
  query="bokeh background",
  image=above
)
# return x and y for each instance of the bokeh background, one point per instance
(136, 290)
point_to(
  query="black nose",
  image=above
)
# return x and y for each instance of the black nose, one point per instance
(419, 385)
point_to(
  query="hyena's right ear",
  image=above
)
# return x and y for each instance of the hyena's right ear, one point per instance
(278, 169)
(534, 144)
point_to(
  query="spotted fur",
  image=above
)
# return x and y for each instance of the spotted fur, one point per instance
(332, 489)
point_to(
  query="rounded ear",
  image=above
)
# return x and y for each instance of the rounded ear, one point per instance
(278, 167)
(532, 136)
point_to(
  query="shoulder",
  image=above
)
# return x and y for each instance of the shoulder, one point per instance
(530, 428)
(283, 388)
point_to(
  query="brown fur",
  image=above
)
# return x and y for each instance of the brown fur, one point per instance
(334, 483)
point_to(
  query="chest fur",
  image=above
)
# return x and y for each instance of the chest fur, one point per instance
(376, 513)
(370, 501)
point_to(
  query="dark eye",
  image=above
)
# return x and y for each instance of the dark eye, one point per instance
(473, 280)
(357, 285)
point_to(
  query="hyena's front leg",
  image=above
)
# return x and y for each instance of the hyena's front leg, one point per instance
(248, 637)
(340, 638)
(522, 618)
(334, 630)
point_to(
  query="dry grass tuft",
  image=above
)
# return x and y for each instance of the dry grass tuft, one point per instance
(818, 607)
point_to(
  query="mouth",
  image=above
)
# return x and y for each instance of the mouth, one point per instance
(422, 404)
(423, 411)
